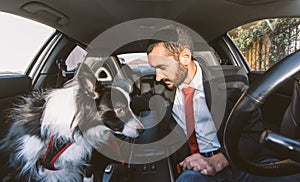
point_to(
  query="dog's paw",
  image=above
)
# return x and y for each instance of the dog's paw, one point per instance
(88, 179)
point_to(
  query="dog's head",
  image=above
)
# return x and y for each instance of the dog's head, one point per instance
(115, 112)
(94, 109)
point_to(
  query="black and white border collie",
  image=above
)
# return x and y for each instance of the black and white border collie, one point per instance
(53, 133)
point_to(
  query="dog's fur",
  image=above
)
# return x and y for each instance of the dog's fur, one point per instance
(79, 113)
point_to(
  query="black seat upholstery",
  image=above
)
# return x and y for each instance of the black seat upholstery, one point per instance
(291, 119)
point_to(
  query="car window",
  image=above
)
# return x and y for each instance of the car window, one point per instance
(75, 58)
(138, 62)
(20, 40)
(265, 42)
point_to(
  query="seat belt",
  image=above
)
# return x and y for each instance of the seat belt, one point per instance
(61, 75)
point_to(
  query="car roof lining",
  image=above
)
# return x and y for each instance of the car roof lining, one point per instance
(210, 18)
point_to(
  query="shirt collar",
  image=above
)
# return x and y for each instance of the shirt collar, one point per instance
(197, 82)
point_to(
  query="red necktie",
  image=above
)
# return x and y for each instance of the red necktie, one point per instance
(189, 119)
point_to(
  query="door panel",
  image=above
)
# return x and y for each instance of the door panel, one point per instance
(10, 87)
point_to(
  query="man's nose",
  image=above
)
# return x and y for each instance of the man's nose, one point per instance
(159, 76)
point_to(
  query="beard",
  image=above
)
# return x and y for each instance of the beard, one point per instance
(181, 74)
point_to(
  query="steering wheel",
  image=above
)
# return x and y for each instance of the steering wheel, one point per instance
(250, 101)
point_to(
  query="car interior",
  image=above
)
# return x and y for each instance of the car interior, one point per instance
(106, 29)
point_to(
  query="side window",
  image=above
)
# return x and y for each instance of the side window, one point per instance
(138, 69)
(138, 62)
(75, 58)
(20, 41)
(265, 42)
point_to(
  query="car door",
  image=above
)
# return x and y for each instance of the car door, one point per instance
(31, 55)
(17, 52)
(262, 44)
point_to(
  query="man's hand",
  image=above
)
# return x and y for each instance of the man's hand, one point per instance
(206, 165)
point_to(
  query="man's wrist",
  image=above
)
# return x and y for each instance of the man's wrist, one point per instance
(220, 161)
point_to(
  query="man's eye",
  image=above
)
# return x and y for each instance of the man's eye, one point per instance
(162, 67)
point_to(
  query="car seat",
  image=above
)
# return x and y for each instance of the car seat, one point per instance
(291, 119)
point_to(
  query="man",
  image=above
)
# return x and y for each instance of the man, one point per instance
(170, 53)
(176, 70)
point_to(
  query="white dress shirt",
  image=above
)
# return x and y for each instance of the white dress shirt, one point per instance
(204, 125)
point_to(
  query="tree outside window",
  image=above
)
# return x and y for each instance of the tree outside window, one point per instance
(265, 42)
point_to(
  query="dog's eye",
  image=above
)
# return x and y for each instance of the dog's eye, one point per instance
(120, 110)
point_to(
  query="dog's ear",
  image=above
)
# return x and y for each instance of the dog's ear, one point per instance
(98, 89)
(86, 78)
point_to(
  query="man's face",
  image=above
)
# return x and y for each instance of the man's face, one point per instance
(168, 69)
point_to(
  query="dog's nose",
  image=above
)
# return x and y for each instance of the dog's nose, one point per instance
(140, 131)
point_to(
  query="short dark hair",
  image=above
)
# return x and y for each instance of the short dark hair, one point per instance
(173, 38)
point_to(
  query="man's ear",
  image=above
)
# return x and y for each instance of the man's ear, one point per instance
(185, 57)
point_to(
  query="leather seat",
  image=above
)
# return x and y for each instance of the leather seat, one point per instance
(291, 119)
